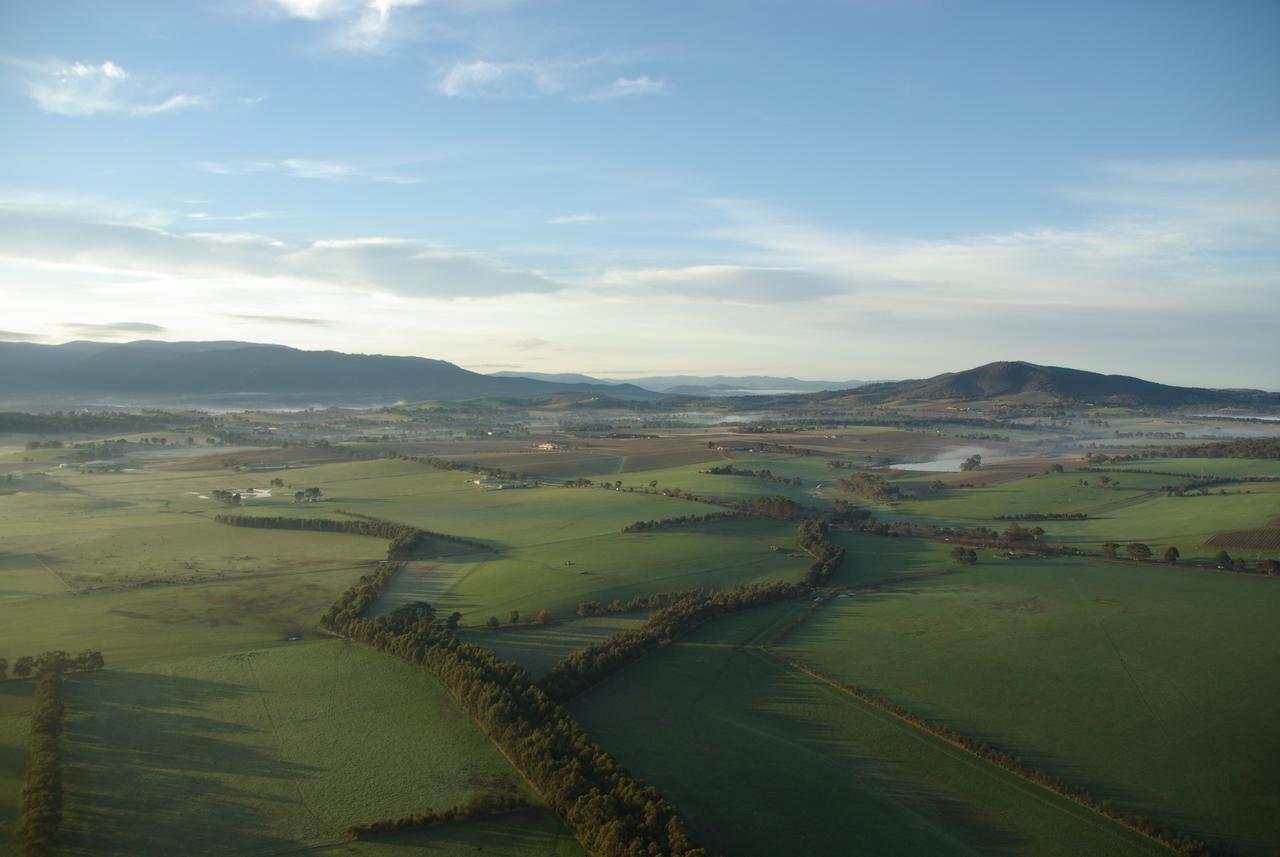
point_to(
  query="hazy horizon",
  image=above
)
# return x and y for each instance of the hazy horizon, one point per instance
(865, 190)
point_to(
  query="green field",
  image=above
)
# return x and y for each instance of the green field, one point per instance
(1225, 468)
(263, 751)
(618, 565)
(538, 648)
(15, 731)
(1135, 510)
(765, 760)
(1143, 683)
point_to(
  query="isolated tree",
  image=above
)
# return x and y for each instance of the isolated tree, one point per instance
(1171, 554)
(1057, 468)
(23, 666)
(298, 496)
(971, 556)
(513, 617)
(1222, 559)
(493, 622)
(959, 555)
(1240, 564)
(1109, 550)
(1138, 551)
(545, 617)
(451, 624)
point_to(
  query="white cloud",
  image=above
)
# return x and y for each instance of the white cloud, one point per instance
(359, 25)
(485, 79)
(624, 87)
(69, 241)
(584, 217)
(85, 89)
(304, 168)
(578, 79)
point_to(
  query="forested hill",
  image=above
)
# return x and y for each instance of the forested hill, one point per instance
(244, 373)
(1028, 381)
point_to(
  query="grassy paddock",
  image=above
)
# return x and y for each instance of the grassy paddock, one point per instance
(1141, 683)
(765, 760)
(264, 751)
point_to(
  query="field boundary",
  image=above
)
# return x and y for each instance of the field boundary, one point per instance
(1163, 834)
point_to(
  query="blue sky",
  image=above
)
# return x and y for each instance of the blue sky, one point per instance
(838, 190)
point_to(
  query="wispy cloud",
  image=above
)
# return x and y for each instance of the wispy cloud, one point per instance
(15, 336)
(87, 89)
(576, 79)
(283, 319)
(486, 79)
(584, 217)
(64, 238)
(304, 168)
(112, 330)
(626, 87)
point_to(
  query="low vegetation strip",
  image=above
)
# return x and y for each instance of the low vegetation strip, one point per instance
(588, 666)
(683, 611)
(404, 538)
(681, 521)
(611, 813)
(1167, 835)
(42, 788)
(481, 806)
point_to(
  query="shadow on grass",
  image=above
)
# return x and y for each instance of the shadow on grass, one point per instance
(147, 772)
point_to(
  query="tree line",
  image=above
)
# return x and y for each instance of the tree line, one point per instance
(611, 813)
(682, 611)
(585, 667)
(404, 539)
(812, 538)
(1165, 834)
(682, 520)
(480, 806)
(764, 473)
(41, 812)
(1044, 516)
(52, 661)
(42, 787)
(639, 602)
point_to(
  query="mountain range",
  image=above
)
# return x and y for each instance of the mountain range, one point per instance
(246, 374)
(1028, 382)
(700, 386)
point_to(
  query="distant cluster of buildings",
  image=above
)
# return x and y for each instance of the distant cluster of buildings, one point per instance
(487, 482)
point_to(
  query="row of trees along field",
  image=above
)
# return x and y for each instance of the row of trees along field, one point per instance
(41, 812)
(1177, 841)
(612, 814)
(53, 661)
(684, 611)
(680, 521)
(765, 474)
(480, 806)
(404, 538)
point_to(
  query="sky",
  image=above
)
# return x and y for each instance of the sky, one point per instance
(835, 190)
